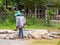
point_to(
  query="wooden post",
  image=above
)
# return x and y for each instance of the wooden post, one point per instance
(57, 11)
(35, 11)
(46, 15)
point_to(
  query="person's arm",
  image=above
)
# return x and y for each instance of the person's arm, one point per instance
(24, 21)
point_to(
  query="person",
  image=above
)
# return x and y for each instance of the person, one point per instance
(20, 23)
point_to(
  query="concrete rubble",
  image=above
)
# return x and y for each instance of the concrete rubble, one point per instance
(32, 34)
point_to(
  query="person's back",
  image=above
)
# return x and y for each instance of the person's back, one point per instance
(20, 21)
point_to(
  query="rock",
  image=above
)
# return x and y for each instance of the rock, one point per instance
(27, 33)
(7, 37)
(36, 34)
(54, 36)
(8, 34)
(11, 36)
(40, 34)
(55, 32)
(3, 36)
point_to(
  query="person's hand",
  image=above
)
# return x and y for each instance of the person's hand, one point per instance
(24, 24)
(16, 28)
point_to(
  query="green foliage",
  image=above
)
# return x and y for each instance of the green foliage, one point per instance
(31, 21)
(50, 13)
(35, 21)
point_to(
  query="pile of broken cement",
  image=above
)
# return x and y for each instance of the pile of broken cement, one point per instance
(31, 34)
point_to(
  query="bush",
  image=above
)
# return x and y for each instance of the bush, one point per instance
(35, 21)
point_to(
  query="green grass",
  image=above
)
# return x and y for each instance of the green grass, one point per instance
(45, 42)
(37, 26)
(8, 26)
(34, 26)
(35, 23)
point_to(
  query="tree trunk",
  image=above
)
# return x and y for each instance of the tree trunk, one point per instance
(38, 13)
(57, 11)
(35, 11)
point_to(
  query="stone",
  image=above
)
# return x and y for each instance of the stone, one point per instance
(31, 34)
(3, 36)
(8, 34)
(55, 32)
(40, 34)
(36, 35)
(27, 33)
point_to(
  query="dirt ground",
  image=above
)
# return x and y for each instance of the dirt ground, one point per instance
(45, 42)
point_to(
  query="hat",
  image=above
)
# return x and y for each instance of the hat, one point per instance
(18, 13)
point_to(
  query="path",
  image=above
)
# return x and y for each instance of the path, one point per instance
(14, 42)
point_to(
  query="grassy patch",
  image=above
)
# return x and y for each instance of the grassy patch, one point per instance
(12, 26)
(34, 26)
(41, 27)
(35, 23)
(45, 42)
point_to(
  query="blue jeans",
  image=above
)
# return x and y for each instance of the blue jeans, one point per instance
(21, 33)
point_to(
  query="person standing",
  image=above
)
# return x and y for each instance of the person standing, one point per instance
(20, 23)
